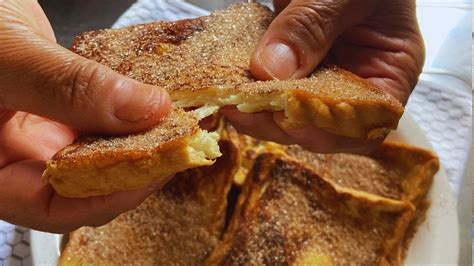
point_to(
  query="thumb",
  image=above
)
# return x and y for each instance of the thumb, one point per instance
(302, 34)
(40, 77)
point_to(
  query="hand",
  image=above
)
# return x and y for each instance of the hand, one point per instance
(378, 40)
(43, 88)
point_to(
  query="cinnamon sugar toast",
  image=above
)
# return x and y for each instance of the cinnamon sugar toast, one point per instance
(205, 61)
(289, 215)
(102, 165)
(178, 225)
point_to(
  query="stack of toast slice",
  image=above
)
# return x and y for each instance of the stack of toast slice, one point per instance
(204, 63)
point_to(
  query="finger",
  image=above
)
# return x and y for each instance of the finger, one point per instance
(386, 69)
(94, 211)
(40, 77)
(302, 34)
(38, 19)
(28, 136)
(26, 200)
(257, 125)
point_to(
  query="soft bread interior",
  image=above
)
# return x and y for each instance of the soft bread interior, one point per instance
(205, 111)
(212, 100)
(204, 147)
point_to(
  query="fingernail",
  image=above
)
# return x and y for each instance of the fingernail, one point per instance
(279, 60)
(135, 103)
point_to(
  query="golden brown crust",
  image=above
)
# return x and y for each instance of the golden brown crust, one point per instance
(419, 165)
(179, 225)
(103, 165)
(208, 63)
(287, 213)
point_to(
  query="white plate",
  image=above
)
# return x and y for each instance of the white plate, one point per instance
(436, 241)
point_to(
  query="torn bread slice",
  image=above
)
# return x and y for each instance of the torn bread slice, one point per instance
(102, 165)
(287, 214)
(178, 225)
(205, 61)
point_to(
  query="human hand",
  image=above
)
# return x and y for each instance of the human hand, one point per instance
(43, 88)
(378, 40)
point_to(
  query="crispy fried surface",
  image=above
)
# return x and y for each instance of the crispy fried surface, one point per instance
(205, 61)
(287, 214)
(180, 224)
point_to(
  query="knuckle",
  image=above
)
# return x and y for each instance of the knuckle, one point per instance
(310, 22)
(80, 82)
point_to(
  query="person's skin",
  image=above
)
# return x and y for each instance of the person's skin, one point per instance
(43, 88)
(378, 40)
